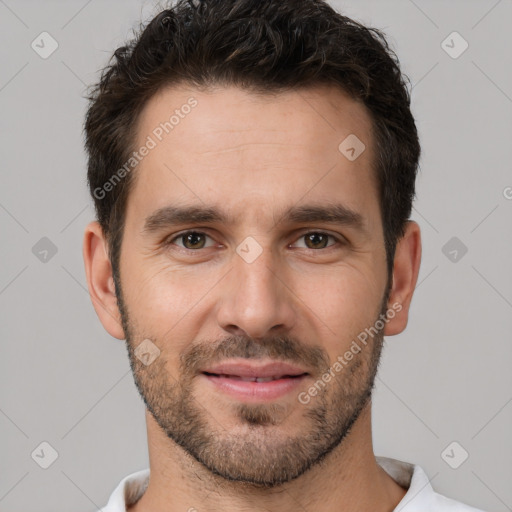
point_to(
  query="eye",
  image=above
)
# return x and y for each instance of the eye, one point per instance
(318, 240)
(195, 240)
(191, 240)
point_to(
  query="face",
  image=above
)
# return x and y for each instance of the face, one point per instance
(251, 240)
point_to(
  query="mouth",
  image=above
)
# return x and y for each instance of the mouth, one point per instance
(255, 383)
(254, 379)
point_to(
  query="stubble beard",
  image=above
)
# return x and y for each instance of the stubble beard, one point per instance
(258, 453)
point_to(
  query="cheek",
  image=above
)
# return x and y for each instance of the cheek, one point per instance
(161, 298)
(344, 301)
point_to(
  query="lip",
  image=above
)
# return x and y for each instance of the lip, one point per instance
(253, 370)
(226, 378)
(250, 391)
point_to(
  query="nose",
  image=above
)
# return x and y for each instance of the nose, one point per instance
(256, 299)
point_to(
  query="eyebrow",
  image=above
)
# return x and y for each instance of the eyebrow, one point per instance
(170, 216)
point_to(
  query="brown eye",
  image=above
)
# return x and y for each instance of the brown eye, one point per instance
(192, 240)
(317, 240)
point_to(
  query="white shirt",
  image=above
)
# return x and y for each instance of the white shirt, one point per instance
(420, 496)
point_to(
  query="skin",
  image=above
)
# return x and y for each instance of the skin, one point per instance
(253, 157)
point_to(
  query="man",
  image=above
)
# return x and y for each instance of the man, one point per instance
(253, 168)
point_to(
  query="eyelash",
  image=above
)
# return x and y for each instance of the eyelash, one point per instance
(169, 241)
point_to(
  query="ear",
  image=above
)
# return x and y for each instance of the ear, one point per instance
(405, 275)
(100, 281)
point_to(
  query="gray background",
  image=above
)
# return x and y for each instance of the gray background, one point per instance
(447, 378)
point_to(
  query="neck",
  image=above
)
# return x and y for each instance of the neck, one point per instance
(349, 475)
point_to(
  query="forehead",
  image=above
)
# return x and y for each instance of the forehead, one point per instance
(301, 116)
(246, 152)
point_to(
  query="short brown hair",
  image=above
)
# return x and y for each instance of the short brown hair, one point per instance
(262, 46)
